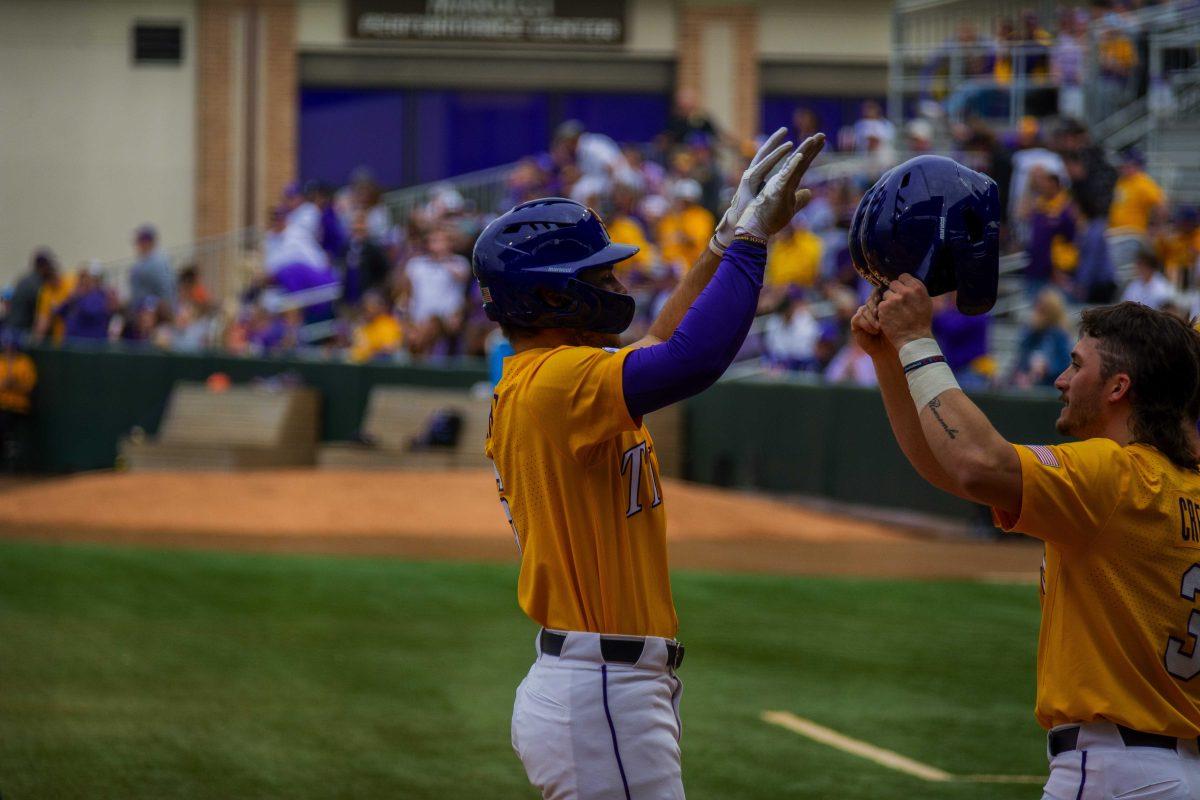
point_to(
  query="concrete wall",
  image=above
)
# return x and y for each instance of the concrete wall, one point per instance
(321, 23)
(806, 31)
(90, 145)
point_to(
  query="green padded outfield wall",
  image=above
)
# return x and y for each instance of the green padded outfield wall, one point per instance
(831, 441)
(786, 436)
(87, 399)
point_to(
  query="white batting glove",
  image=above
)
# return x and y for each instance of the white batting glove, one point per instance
(770, 154)
(774, 207)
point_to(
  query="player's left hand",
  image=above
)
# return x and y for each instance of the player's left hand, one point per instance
(906, 312)
(773, 150)
(780, 200)
(866, 331)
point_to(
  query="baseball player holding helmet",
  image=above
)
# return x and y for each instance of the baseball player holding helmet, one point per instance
(1118, 510)
(597, 715)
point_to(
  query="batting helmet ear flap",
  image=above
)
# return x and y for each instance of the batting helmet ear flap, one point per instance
(973, 243)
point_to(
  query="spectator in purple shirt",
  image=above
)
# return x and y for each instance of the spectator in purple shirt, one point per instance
(1095, 279)
(332, 233)
(273, 333)
(88, 311)
(964, 341)
(146, 325)
(1048, 210)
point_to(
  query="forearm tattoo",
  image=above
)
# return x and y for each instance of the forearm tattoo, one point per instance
(934, 405)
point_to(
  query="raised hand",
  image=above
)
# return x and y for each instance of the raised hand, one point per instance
(781, 198)
(865, 328)
(906, 312)
(771, 153)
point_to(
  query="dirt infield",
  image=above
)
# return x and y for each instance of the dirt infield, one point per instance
(456, 515)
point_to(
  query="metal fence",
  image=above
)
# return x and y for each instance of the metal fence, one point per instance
(482, 191)
(928, 61)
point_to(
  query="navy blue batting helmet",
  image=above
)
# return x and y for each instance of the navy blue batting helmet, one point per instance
(936, 220)
(528, 264)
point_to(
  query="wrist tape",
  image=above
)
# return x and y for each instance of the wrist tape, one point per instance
(926, 370)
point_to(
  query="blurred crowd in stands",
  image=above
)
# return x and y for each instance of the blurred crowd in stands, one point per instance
(340, 277)
(1098, 52)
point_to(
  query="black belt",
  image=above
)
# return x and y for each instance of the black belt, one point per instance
(1066, 739)
(614, 651)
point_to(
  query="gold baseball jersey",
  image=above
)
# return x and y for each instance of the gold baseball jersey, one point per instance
(579, 482)
(1120, 584)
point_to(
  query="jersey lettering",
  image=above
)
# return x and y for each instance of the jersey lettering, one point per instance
(1189, 520)
(631, 464)
(1181, 665)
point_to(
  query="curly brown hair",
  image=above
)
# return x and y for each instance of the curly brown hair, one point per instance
(1161, 355)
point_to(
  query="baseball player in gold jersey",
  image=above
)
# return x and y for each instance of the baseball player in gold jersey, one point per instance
(597, 715)
(1119, 512)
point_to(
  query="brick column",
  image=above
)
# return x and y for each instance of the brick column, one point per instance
(215, 212)
(224, 151)
(279, 88)
(739, 25)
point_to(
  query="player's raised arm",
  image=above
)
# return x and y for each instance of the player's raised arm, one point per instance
(712, 330)
(902, 414)
(773, 150)
(940, 221)
(984, 466)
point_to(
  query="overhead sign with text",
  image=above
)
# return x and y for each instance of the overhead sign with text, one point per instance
(530, 21)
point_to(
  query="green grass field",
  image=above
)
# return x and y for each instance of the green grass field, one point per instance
(130, 673)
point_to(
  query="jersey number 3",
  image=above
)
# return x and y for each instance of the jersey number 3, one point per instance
(1186, 665)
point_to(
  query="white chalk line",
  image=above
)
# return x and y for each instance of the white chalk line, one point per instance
(882, 756)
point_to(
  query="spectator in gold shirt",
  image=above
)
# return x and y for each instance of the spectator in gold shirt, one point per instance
(1179, 249)
(624, 226)
(683, 232)
(1138, 202)
(18, 376)
(794, 258)
(379, 334)
(56, 288)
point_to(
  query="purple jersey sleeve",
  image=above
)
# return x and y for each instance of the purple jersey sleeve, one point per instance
(707, 339)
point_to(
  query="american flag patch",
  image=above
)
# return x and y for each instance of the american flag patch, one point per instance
(1045, 455)
(487, 294)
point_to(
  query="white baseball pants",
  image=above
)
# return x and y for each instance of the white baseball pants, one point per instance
(590, 730)
(1101, 767)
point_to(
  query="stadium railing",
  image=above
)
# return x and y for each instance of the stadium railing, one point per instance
(483, 190)
(226, 263)
(923, 35)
